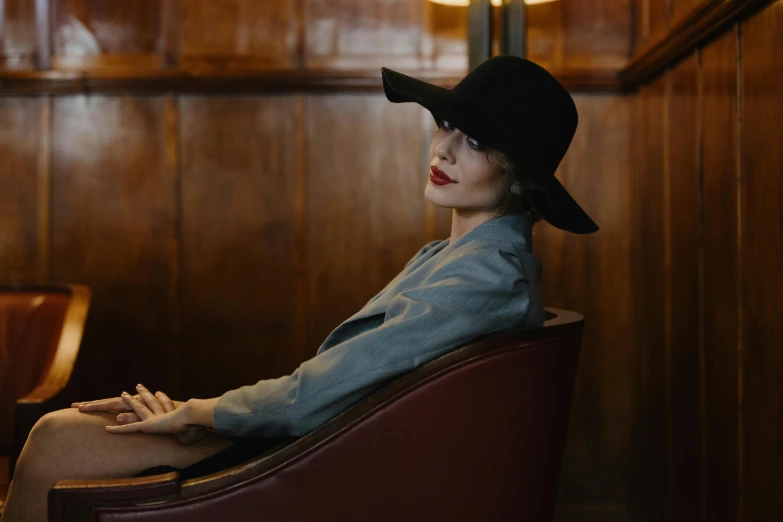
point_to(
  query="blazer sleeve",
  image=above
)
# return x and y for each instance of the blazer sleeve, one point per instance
(478, 290)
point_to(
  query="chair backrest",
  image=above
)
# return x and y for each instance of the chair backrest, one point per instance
(32, 328)
(476, 434)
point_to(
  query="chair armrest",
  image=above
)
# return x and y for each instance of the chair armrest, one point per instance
(75, 499)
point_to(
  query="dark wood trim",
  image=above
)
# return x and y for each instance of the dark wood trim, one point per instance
(155, 81)
(706, 21)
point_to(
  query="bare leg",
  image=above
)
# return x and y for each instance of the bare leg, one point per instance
(68, 444)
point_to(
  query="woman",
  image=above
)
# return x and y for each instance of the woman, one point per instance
(502, 132)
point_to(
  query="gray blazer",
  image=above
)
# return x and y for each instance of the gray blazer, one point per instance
(446, 296)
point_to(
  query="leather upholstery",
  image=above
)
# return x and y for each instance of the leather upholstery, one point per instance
(30, 325)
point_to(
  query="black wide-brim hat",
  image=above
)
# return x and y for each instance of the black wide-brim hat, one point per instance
(514, 106)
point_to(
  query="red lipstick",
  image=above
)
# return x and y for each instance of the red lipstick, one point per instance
(439, 177)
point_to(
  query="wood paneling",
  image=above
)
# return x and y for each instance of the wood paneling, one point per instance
(648, 481)
(698, 26)
(588, 34)
(19, 150)
(17, 34)
(683, 281)
(659, 14)
(113, 227)
(349, 34)
(720, 279)
(761, 266)
(722, 432)
(235, 33)
(237, 294)
(680, 8)
(589, 273)
(596, 34)
(365, 202)
(85, 29)
(544, 33)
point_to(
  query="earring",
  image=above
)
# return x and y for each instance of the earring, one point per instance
(516, 189)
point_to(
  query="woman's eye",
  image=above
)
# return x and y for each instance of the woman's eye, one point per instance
(476, 144)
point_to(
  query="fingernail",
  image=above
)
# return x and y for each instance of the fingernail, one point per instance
(125, 394)
(139, 386)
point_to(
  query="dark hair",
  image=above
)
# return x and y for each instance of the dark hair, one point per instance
(532, 201)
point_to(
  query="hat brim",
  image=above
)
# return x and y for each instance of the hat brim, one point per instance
(442, 103)
(563, 212)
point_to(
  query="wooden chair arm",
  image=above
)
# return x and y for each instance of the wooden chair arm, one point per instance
(76, 499)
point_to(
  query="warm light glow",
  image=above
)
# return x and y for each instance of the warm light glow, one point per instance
(496, 3)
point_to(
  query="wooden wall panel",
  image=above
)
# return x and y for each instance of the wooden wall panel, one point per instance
(17, 34)
(257, 33)
(545, 34)
(683, 281)
(761, 265)
(349, 34)
(596, 33)
(113, 226)
(90, 28)
(580, 35)
(237, 285)
(721, 276)
(680, 8)
(365, 202)
(659, 15)
(589, 273)
(648, 482)
(19, 149)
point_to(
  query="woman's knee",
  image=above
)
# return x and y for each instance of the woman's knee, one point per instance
(58, 431)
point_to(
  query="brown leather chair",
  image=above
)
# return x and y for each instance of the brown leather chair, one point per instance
(40, 333)
(475, 435)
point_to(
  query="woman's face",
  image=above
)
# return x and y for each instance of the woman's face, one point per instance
(480, 183)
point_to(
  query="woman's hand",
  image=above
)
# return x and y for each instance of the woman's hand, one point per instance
(117, 404)
(147, 413)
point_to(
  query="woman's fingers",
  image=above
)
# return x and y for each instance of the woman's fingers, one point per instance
(150, 400)
(165, 401)
(140, 409)
(128, 418)
(169, 423)
(112, 404)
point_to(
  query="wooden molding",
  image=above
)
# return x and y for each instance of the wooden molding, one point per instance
(124, 80)
(705, 21)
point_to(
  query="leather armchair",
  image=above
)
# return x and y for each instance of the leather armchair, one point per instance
(474, 435)
(40, 334)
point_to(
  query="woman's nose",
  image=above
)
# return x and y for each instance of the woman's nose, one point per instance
(447, 147)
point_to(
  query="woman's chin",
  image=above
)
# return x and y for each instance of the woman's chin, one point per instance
(436, 196)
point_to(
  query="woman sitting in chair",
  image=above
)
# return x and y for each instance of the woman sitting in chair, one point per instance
(502, 131)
